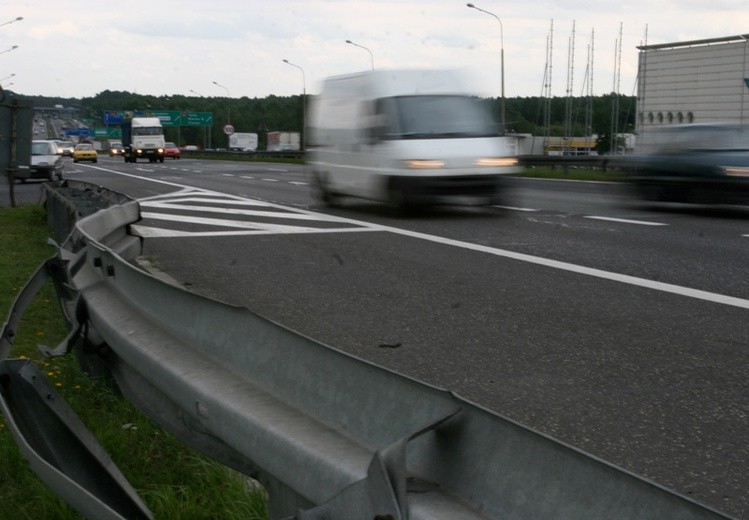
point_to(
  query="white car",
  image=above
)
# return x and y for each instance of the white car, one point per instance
(46, 162)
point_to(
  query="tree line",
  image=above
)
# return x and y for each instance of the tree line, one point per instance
(558, 116)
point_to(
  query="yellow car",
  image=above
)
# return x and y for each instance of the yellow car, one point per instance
(85, 152)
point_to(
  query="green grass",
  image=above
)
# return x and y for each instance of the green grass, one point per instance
(575, 174)
(174, 481)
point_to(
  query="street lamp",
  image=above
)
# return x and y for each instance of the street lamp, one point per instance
(7, 77)
(228, 103)
(371, 56)
(502, 61)
(10, 49)
(304, 100)
(11, 21)
(196, 93)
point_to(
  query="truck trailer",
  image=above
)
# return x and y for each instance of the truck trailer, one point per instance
(143, 137)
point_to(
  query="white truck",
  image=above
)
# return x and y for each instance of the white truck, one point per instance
(407, 137)
(244, 142)
(143, 137)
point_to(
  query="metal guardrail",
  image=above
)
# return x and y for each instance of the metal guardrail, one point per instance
(329, 435)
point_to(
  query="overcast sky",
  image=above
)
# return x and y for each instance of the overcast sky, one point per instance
(78, 48)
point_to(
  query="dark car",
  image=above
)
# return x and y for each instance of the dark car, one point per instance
(46, 162)
(705, 163)
(116, 149)
(66, 148)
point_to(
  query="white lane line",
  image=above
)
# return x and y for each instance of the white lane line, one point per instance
(238, 224)
(232, 211)
(247, 177)
(151, 232)
(228, 175)
(297, 183)
(512, 208)
(627, 221)
(270, 180)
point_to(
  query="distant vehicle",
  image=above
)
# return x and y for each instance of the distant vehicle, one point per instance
(66, 148)
(46, 162)
(116, 149)
(143, 137)
(283, 141)
(409, 137)
(85, 152)
(696, 163)
(246, 142)
(190, 148)
(171, 150)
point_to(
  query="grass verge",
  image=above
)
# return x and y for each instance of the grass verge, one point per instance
(574, 174)
(174, 481)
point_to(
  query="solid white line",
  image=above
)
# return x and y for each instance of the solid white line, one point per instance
(231, 211)
(151, 232)
(628, 221)
(516, 209)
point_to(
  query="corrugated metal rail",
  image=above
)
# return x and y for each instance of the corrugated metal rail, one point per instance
(329, 435)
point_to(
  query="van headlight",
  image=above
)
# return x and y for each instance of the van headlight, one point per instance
(424, 164)
(496, 161)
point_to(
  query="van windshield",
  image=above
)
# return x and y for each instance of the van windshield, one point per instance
(435, 117)
(147, 130)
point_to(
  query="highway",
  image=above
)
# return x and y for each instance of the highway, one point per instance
(618, 328)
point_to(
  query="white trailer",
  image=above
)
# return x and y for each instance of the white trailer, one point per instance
(243, 142)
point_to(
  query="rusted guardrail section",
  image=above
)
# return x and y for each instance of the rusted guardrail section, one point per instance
(329, 435)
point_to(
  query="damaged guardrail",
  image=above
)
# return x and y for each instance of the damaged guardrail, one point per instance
(329, 435)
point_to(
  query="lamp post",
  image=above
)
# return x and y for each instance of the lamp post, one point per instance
(206, 134)
(502, 62)
(371, 56)
(6, 77)
(304, 100)
(11, 21)
(10, 49)
(228, 113)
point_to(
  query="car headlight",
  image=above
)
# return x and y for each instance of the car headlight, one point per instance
(736, 171)
(424, 164)
(496, 161)
(161, 150)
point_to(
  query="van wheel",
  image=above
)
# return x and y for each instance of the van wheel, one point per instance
(398, 199)
(326, 196)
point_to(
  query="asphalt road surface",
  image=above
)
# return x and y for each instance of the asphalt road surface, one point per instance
(615, 327)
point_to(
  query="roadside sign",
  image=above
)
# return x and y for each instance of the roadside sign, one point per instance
(228, 129)
(167, 117)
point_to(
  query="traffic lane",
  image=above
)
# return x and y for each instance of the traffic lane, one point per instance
(697, 251)
(282, 183)
(700, 250)
(654, 382)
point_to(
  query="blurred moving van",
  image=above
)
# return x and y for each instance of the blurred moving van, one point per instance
(407, 137)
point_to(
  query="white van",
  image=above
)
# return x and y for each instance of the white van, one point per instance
(408, 137)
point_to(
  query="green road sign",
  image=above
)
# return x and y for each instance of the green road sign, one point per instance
(167, 117)
(109, 132)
